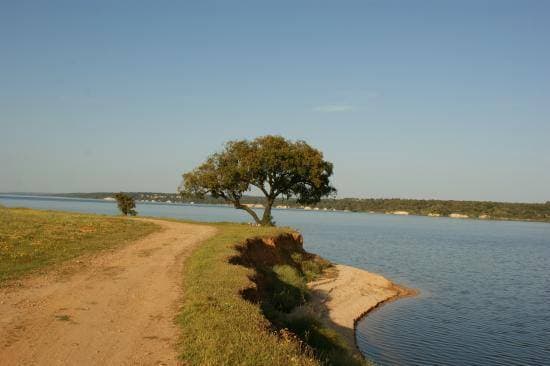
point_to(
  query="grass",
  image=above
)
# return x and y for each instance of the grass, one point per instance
(238, 310)
(33, 239)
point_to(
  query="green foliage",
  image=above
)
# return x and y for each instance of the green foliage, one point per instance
(312, 269)
(220, 327)
(126, 204)
(272, 164)
(329, 347)
(32, 239)
(287, 287)
(283, 296)
(473, 209)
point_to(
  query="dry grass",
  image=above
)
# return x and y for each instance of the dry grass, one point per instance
(33, 239)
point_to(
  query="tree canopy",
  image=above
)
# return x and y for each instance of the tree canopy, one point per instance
(274, 165)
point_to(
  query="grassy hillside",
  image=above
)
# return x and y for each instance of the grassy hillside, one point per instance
(239, 301)
(32, 239)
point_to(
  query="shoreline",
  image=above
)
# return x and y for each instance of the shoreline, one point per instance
(391, 212)
(347, 294)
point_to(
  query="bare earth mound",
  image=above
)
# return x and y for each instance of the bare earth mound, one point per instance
(115, 308)
(347, 293)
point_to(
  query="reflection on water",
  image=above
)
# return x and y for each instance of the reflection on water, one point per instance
(485, 285)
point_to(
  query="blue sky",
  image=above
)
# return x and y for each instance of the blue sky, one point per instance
(418, 99)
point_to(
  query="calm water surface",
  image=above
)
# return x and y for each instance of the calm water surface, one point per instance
(485, 285)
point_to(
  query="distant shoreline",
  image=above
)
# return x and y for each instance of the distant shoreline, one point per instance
(473, 210)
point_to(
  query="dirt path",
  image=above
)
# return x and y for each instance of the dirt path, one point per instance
(115, 308)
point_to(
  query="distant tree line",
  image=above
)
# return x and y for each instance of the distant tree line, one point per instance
(473, 209)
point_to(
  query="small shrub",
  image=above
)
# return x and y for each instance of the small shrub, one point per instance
(288, 288)
(126, 204)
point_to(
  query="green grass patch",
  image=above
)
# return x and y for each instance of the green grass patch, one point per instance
(238, 306)
(33, 239)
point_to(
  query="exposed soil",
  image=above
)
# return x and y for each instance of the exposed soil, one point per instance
(113, 308)
(345, 294)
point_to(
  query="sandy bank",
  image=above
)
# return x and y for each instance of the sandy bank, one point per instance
(346, 294)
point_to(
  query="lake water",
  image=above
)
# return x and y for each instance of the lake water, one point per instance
(484, 285)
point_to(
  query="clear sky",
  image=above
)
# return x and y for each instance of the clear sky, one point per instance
(418, 99)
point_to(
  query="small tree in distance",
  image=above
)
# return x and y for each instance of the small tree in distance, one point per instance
(272, 164)
(126, 204)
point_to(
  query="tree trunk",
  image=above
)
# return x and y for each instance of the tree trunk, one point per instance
(267, 219)
(240, 206)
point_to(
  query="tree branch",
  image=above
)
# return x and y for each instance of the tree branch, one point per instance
(252, 213)
(261, 187)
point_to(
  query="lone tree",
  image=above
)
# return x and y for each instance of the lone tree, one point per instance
(272, 164)
(126, 204)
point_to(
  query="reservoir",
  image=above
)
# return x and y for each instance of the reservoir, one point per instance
(484, 285)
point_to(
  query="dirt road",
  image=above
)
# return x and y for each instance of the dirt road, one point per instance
(114, 308)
